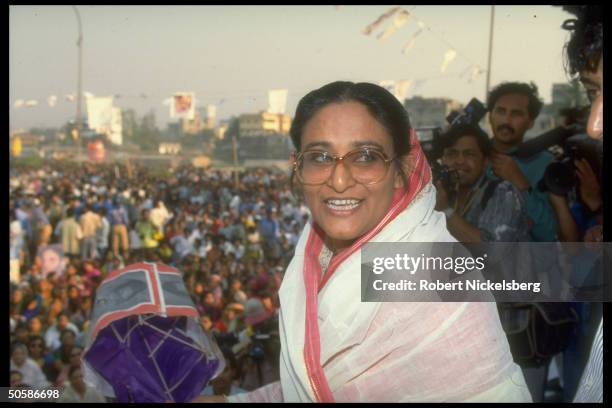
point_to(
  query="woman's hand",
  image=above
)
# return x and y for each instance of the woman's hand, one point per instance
(209, 398)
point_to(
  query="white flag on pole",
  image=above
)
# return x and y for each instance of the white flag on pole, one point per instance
(449, 56)
(476, 71)
(277, 100)
(368, 30)
(100, 113)
(413, 38)
(52, 100)
(400, 19)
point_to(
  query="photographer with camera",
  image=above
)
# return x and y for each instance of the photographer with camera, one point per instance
(478, 208)
(513, 108)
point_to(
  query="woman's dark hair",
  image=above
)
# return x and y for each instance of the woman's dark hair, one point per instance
(530, 90)
(585, 47)
(456, 132)
(381, 104)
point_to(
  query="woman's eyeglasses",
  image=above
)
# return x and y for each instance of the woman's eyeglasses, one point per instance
(366, 165)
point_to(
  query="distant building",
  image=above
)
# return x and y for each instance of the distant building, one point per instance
(256, 124)
(208, 116)
(24, 144)
(191, 126)
(546, 120)
(170, 148)
(220, 130)
(128, 117)
(148, 120)
(269, 146)
(425, 112)
(115, 134)
(174, 130)
(204, 118)
(563, 95)
(568, 95)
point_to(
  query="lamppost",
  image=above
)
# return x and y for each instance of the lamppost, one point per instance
(490, 50)
(79, 81)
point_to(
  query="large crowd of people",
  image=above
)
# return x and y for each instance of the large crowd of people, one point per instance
(232, 238)
(71, 225)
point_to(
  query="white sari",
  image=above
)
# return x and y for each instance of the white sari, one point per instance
(386, 352)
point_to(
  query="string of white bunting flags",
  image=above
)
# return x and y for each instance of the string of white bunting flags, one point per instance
(401, 18)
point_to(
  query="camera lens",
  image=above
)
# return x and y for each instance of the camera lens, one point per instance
(559, 178)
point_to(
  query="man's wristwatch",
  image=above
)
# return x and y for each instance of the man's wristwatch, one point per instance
(448, 212)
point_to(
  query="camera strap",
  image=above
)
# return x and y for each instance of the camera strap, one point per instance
(472, 195)
(488, 193)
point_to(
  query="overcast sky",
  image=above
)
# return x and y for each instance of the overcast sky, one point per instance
(231, 55)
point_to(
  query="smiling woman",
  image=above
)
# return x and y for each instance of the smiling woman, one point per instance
(352, 139)
(365, 179)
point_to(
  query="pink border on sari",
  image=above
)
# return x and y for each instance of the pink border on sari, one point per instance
(313, 283)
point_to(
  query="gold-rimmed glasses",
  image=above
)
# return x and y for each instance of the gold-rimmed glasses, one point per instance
(366, 165)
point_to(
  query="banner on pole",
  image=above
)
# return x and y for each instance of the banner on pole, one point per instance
(277, 101)
(100, 113)
(183, 106)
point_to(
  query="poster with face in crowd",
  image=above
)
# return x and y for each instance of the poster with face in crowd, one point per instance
(51, 258)
(183, 106)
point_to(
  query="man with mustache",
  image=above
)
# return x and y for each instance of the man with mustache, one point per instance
(513, 108)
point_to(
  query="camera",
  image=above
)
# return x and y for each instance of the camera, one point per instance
(433, 147)
(560, 176)
(429, 138)
(445, 176)
(473, 113)
(433, 142)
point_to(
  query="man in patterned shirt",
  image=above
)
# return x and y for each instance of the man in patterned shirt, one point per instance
(482, 209)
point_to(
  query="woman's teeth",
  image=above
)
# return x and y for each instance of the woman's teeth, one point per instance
(342, 205)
